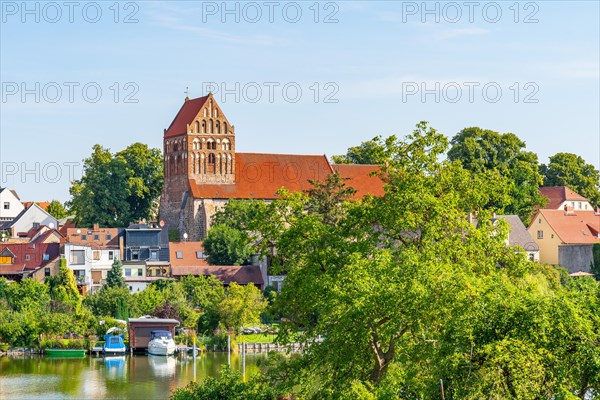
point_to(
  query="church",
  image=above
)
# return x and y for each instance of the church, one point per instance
(202, 169)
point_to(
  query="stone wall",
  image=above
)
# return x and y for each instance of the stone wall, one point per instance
(576, 257)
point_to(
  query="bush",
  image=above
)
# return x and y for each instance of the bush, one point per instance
(228, 386)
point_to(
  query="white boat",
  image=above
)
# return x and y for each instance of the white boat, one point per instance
(161, 344)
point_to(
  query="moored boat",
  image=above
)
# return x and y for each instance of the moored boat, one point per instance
(161, 343)
(114, 341)
(75, 353)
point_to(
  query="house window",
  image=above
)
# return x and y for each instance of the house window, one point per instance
(131, 288)
(78, 257)
(96, 237)
(6, 205)
(83, 237)
(179, 254)
(27, 257)
(110, 255)
(154, 255)
(200, 255)
(108, 236)
(540, 234)
(46, 257)
(135, 255)
(579, 205)
(127, 271)
(539, 221)
(96, 255)
(140, 272)
(531, 257)
(46, 271)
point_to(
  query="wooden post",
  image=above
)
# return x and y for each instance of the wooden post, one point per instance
(229, 350)
(442, 387)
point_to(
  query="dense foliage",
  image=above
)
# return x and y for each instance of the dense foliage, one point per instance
(567, 169)
(33, 313)
(117, 189)
(57, 210)
(394, 294)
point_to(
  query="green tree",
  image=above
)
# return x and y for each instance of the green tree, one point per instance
(110, 302)
(229, 385)
(404, 291)
(204, 294)
(567, 169)
(241, 306)
(227, 246)
(118, 189)
(114, 277)
(483, 150)
(145, 180)
(63, 286)
(373, 151)
(57, 210)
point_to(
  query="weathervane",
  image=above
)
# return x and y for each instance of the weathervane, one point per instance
(187, 92)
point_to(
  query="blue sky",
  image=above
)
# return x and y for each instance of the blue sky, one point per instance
(531, 68)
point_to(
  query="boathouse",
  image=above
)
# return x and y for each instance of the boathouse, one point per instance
(140, 331)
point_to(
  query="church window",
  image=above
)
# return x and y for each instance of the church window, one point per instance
(204, 124)
(225, 127)
(218, 127)
(205, 111)
(211, 126)
(216, 113)
(197, 127)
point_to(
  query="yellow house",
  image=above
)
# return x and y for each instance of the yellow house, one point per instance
(566, 237)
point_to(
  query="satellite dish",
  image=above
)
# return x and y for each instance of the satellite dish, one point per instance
(185, 236)
(78, 231)
(161, 223)
(51, 225)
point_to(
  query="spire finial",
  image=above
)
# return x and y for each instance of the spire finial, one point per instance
(187, 92)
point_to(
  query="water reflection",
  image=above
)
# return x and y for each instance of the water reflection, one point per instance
(162, 366)
(111, 377)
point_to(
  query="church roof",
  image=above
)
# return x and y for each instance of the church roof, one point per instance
(185, 116)
(362, 178)
(260, 176)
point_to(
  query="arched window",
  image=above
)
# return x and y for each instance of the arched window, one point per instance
(204, 126)
(211, 127)
(205, 112)
(197, 127)
(225, 128)
(226, 145)
(216, 113)
(218, 127)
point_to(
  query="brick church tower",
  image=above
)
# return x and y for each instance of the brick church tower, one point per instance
(199, 147)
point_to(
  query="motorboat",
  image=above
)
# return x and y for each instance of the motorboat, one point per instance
(113, 341)
(161, 344)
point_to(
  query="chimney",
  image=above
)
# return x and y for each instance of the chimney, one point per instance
(96, 227)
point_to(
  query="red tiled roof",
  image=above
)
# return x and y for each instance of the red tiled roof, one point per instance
(227, 274)
(361, 179)
(188, 111)
(35, 251)
(576, 227)
(43, 204)
(260, 175)
(73, 237)
(557, 195)
(188, 254)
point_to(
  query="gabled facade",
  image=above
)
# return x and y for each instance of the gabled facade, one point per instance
(10, 205)
(22, 260)
(30, 218)
(566, 238)
(560, 197)
(519, 237)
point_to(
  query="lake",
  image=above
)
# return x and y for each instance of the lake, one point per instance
(117, 377)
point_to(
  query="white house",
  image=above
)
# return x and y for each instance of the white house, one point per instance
(90, 253)
(10, 205)
(90, 264)
(32, 217)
